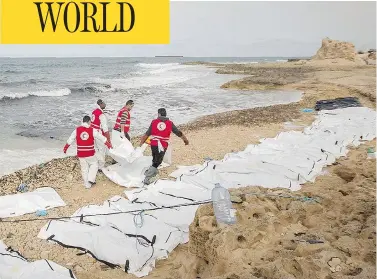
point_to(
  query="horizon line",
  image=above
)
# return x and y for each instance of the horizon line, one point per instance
(157, 56)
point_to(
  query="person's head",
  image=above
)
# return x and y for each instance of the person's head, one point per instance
(86, 119)
(161, 112)
(101, 104)
(129, 104)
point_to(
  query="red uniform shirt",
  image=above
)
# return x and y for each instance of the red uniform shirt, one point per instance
(85, 142)
(96, 122)
(161, 131)
(124, 117)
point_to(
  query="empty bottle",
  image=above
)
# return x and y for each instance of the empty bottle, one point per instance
(222, 205)
(371, 154)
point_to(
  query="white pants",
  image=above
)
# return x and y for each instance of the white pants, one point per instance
(101, 151)
(89, 168)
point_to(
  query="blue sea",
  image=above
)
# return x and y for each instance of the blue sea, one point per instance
(43, 99)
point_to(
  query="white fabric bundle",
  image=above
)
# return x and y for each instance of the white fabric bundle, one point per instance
(116, 239)
(14, 266)
(291, 158)
(24, 203)
(129, 172)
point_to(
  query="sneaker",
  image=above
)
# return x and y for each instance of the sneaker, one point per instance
(153, 179)
(146, 181)
(92, 183)
(149, 180)
(88, 185)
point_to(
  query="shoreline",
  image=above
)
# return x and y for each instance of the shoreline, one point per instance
(281, 76)
(45, 142)
(209, 137)
(254, 116)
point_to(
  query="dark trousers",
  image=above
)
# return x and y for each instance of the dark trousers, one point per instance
(157, 156)
(127, 136)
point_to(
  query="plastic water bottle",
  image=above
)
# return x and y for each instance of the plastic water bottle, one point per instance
(222, 205)
(371, 154)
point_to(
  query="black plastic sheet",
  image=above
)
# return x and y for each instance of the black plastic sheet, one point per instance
(337, 103)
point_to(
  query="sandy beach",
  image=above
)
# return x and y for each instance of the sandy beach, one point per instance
(265, 243)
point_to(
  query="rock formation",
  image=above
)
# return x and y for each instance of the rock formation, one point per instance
(372, 54)
(332, 49)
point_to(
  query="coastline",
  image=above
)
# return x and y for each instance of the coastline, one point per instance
(209, 137)
(311, 78)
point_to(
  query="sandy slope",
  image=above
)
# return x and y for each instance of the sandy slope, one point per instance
(260, 246)
(268, 240)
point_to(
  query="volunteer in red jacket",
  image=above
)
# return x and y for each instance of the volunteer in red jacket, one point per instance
(99, 122)
(86, 137)
(159, 132)
(122, 123)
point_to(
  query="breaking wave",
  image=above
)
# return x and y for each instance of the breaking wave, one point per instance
(41, 93)
(156, 65)
(96, 88)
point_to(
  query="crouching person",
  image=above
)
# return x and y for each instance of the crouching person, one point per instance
(85, 137)
(159, 134)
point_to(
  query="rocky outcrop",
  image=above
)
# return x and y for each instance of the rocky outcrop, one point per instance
(333, 49)
(372, 54)
(265, 77)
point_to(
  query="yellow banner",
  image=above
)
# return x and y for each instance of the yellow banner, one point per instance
(85, 22)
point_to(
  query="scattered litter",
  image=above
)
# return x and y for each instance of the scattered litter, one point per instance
(222, 205)
(40, 213)
(22, 188)
(337, 103)
(307, 110)
(334, 264)
(312, 241)
(371, 153)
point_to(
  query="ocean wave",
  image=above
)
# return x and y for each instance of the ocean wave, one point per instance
(156, 65)
(146, 81)
(14, 160)
(96, 88)
(41, 93)
(157, 68)
(150, 75)
(281, 60)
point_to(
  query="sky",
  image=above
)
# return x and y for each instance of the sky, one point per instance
(238, 29)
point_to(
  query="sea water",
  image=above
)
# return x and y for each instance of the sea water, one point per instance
(43, 99)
